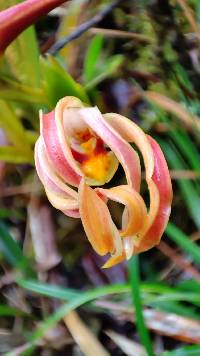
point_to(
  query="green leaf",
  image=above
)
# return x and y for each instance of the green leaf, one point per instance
(198, 10)
(5, 310)
(91, 57)
(189, 193)
(48, 290)
(23, 58)
(193, 350)
(187, 148)
(11, 213)
(107, 69)
(150, 291)
(190, 247)
(20, 96)
(190, 285)
(13, 127)
(175, 308)
(11, 89)
(75, 302)
(12, 252)
(133, 268)
(15, 155)
(67, 294)
(58, 83)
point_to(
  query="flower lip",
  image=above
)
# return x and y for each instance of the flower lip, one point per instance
(92, 156)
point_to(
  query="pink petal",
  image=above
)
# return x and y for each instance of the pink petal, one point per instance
(126, 155)
(133, 133)
(47, 174)
(59, 194)
(60, 155)
(162, 180)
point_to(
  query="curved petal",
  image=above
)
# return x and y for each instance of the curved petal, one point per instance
(126, 155)
(162, 180)
(59, 194)
(48, 176)
(134, 207)
(114, 260)
(96, 220)
(73, 213)
(153, 209)
(56, 152)
(58, 149)
(133, 133)
(60, 202)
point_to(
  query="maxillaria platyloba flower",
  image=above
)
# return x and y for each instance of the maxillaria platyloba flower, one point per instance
(17, 18)
(79, 147)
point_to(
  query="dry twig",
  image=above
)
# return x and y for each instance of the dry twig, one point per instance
(178, 260)
(83, 27)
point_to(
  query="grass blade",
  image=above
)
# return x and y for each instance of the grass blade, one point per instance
(58, 83)
(91, 57)
(133, 268)
(187, 188)
(12, 253)
(193, 350)
(75, 302)
(184, 242)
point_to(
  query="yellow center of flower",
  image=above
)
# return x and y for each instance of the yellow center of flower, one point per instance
(96, 167)
(97, 164)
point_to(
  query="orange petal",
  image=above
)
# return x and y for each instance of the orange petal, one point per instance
(114, 260)
(135, 208)
(153, 210)
(96, 220)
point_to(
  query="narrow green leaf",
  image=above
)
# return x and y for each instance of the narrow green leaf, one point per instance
(133, 268)
(12, 89)
(12, 252)
(107, 69)
(77, 301)
(5, 310)
(187, 148)
(184, 242)
(12, 154)
(12, 126)
(175, 307)
(22, 97)
(11, 213)
(189, 193)
(190, 285)
(58, 83)
(150, 291)
(91, 57)
(198, 10)
(52, 291)
(193, 350)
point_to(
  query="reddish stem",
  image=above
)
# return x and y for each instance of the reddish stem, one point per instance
(16, 19)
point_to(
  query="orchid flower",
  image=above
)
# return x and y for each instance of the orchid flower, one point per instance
(17, 18)
(78, 151)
